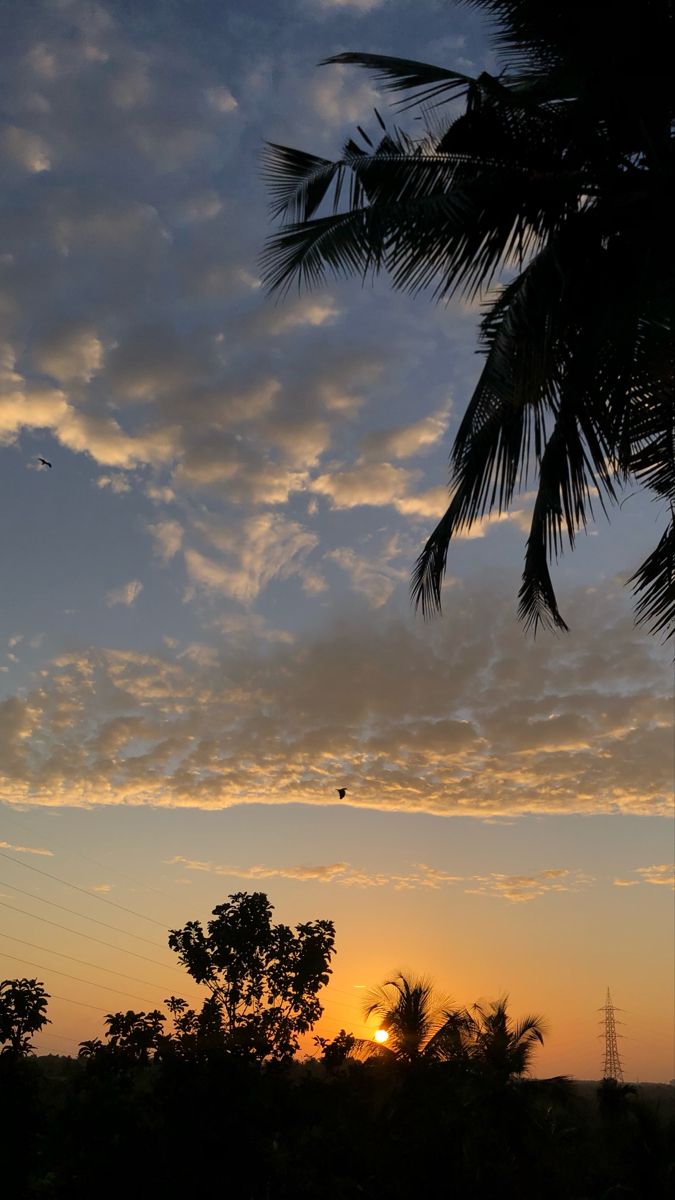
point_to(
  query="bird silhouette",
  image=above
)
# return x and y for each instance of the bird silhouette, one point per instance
(342, 792)
(45, 463)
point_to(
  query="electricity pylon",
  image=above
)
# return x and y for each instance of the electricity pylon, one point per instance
(612, 1068)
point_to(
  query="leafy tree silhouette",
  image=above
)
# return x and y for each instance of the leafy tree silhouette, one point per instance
(335, 1051)
(23, 1007)
(550, 197)
(263, 978)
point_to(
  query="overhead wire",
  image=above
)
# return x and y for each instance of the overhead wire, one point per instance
(90, 982)
(78, 933)
(83, 961)
(85, 892)
(71, 852)
(74, 913)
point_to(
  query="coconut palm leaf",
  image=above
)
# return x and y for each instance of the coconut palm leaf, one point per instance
(654, 584)
(556, 184)
(402, 74)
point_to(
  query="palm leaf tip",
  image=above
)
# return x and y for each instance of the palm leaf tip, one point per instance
(654, 587)
(404, 74)
(427, 578)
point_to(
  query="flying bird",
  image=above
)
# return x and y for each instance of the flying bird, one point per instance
(342, 792)
(45, 463)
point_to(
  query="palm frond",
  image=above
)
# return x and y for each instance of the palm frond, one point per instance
(344, 243)
(654, 584)
(298, 182)
(403, 74)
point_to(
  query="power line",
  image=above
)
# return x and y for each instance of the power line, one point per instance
(78, 933)
(86, 857)
(91, 895)
(67, 999)
(83, 961)
(74, 913)
(90, 982)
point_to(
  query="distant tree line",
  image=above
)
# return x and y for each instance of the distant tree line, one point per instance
(215, 1100)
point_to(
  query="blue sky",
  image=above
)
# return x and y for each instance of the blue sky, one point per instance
(205, 624)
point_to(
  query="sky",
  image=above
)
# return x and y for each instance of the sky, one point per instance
(205, 627)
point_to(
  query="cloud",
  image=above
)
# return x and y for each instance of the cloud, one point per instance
(68, 353)
(248, 625)
(313, 311)
(26, 849)
(662, 875)
(340, 97)
(264, 547)
(520, 889)
(117, 483)
(221, 99)
(341, 873)
(447, 718)
(126, 594)
(27, 150)
(374, 576)
(374, 484)
(516, 888)
(168, 538)
(405, 441)
(357, 6)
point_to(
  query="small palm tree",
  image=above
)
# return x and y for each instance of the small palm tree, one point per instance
(499, 1046)
(407, 1010)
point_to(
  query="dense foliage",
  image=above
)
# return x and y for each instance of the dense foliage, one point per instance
(109, 1127)
(177, 1103)
(23, 1012)
(547, 191)
(263, 978)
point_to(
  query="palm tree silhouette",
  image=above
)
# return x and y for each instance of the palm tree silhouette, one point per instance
(421, 1028)
(486, 1037)
(408, 1011)
(550, 198)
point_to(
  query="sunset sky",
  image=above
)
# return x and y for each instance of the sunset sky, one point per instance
(205, 626)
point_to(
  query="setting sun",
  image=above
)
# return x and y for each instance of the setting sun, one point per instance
(381, 1035)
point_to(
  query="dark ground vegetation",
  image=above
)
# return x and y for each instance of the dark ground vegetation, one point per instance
(111, 1127)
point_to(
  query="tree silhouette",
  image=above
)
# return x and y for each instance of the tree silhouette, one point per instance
(486, 1037)
(550, 197)
(407, 1010)
(263, 978)
(23, 1007)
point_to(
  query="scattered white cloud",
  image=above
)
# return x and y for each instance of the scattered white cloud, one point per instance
(373, 576)
(126, 594)
(313, 311)
(264, 547)
(663, 874)
(26, 849)
(27, 150)
(168, 538)
(373, 484)
(405, 441)
(118, 483)
(221, 99)
(357, 6)
(520, 889)
(447, 719)
(68, 353)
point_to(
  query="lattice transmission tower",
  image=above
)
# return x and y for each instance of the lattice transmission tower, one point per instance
(612, 1068)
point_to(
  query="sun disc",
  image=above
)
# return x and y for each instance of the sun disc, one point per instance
(381, 1035)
